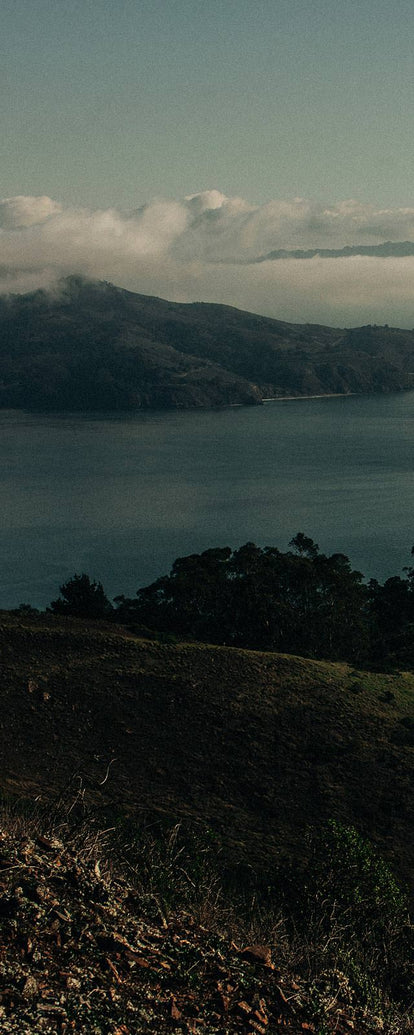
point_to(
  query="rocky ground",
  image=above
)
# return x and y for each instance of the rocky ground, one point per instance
(83, 949)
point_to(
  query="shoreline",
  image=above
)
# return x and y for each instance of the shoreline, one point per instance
(322, 395)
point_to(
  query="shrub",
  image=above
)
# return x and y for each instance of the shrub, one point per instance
(348, 904)
(82, 598)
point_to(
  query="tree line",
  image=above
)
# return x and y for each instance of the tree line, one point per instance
(297, 602)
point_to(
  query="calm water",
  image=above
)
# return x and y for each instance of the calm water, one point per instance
(120, 496)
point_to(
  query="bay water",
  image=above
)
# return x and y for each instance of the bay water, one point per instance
(121, 495)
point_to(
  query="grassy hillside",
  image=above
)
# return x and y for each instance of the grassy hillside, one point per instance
(253, 746)
(93, 346)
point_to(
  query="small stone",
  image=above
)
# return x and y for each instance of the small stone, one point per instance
(72, 982)
(258, 954)
(30, 987)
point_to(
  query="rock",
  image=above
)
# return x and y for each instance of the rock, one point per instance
(30, 987)
(258, 954)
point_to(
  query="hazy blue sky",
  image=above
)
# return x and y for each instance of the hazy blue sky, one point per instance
(272, 113)
(109, 102)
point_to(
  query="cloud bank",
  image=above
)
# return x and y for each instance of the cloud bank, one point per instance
(297, 260)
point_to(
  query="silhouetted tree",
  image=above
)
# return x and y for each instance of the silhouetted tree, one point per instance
(300, 602)
(392, 619)
(304, 546)
(82, 598)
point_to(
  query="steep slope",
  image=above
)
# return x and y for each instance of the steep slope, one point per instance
(94, 346)
(86, 946)
(255, 746)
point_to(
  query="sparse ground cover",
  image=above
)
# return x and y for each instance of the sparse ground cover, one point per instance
(99, 941)
(245, 751)
(255, 746)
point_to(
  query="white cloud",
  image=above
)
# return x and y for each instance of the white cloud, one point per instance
(206, 246)
(22, 211)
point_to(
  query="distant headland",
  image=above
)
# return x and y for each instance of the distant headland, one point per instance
(89, 345)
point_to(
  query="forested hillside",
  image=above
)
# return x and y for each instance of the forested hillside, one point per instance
(91, 345)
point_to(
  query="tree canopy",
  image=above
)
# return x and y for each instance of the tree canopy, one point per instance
(299, 602)
(82, 598)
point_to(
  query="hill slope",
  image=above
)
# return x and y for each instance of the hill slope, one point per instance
(94, 346)
(255, 746)
(85, 946)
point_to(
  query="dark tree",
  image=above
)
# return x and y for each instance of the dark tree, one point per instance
(304, 546)
(392, 620)
(82, 598)
(299, 602)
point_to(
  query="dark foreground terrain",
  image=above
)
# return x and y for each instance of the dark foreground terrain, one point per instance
(256, 746)
(92, 946)
(207, 905)
(93, 346)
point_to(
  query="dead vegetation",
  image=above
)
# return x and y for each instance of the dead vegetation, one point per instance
(204, 766)
(100, 938)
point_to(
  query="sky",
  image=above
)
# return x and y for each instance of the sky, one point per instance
(174, 146)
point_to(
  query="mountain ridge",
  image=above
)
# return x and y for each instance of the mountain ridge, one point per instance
(89, 345)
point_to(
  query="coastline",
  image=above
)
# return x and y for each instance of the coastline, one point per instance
(322, 395)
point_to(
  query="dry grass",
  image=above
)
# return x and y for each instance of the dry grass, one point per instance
(189, 774)
(101, 936)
